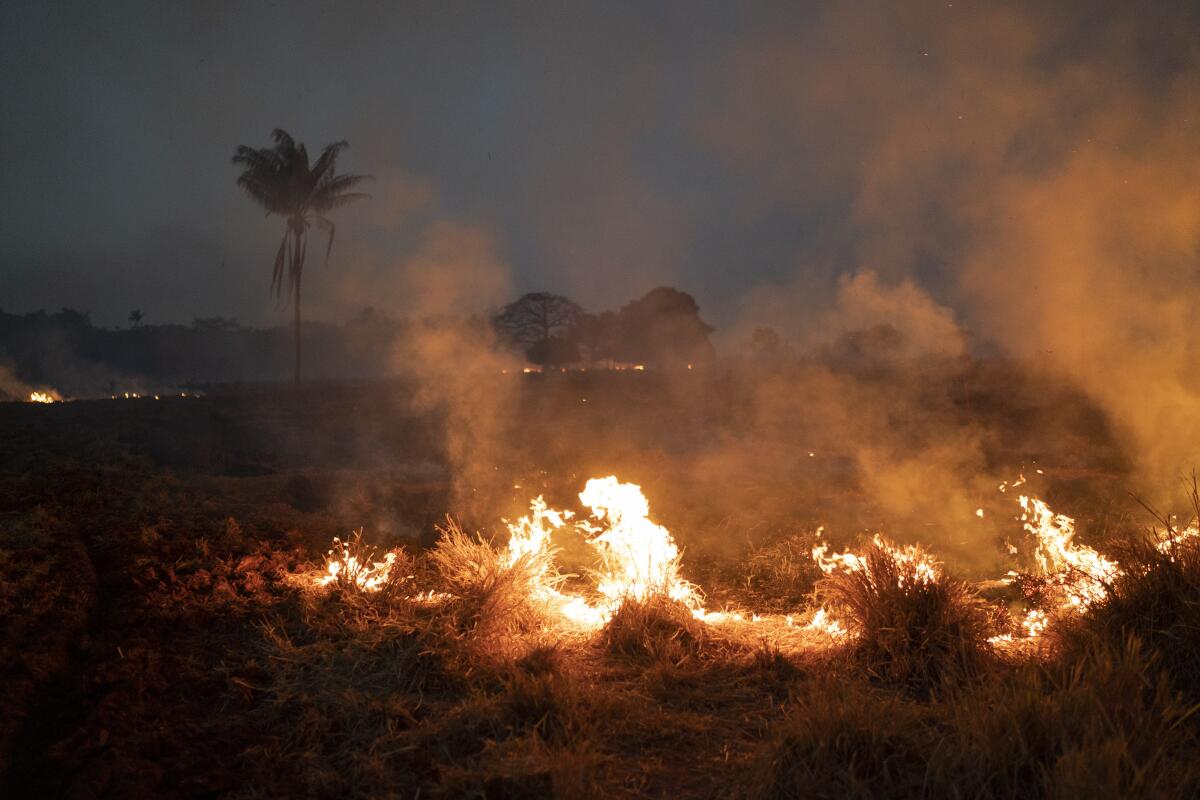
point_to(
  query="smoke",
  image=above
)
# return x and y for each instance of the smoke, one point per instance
(463, 378)
(12, 387)
(1037, 165)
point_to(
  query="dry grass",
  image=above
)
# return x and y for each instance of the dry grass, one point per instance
(909, 629)
(654, 629)
(781, 575)
(1108, 729)
(490, 595)
(1155, 599)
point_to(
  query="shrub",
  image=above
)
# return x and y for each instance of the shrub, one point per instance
(1108, 725)
(782, 574)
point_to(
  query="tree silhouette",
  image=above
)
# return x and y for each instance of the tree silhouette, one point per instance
(536, 317)
(136, 316)
(663, 328)
(281, 180)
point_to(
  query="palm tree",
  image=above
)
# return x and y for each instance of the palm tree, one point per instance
(281, 180)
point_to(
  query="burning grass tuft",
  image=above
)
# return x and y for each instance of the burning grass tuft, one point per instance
(656, 628)
(350, 566)
(491, 591)
(913, 625)
(1156, 598)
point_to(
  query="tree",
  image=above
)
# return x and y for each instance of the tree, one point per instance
(597, 335)
(664, 328)
(282, 181)
(536, 317)
(136, 316)
(553, 351)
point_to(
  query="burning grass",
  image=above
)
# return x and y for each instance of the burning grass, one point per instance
(911, 624)
(1156, 599)
(471, 669)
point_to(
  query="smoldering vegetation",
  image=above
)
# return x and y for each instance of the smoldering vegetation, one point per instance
(170, 567)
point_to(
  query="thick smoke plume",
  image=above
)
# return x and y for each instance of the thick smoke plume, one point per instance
(1036, 164)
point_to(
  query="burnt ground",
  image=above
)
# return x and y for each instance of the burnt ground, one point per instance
(152, 643)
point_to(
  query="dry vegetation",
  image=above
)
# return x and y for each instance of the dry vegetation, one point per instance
(161, 637)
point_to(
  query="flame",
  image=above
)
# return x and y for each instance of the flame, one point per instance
(48, 396)
(349, 563)
(925, 569)
(639, 559)
(1081, 572)
(639, 556)
(823, 622)
(531, 535)
(1170, 539)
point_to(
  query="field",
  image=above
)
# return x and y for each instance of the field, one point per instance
(164, 633)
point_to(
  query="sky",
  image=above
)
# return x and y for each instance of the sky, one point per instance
(756, 155)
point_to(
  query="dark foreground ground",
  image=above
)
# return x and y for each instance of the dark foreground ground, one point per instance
(156, 644)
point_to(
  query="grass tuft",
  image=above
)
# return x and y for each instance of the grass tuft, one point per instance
(914, 628)
(492, 593)
(654, 629)
(1156, 598)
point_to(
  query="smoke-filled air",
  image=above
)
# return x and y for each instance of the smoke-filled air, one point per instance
(778, 400)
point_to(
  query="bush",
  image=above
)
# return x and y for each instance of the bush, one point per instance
(1107, 726)
(782, 574)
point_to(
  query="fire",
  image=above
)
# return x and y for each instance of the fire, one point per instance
(639, 556)
(350, 564)
(48, 396)
(823, 622)
(925, 569)
(1082, 573)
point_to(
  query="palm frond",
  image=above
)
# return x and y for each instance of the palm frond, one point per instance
(326, 224)
(328, 158)
(280, 260)
(341, 200)
(283, 139)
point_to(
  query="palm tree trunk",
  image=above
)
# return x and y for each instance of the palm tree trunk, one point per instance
(298, 268)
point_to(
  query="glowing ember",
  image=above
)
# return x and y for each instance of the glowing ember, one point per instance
(1035, 623)
(1169, 540)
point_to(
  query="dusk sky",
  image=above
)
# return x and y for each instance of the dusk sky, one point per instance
(749, 154)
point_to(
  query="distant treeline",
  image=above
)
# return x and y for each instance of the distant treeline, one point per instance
(66, 351)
